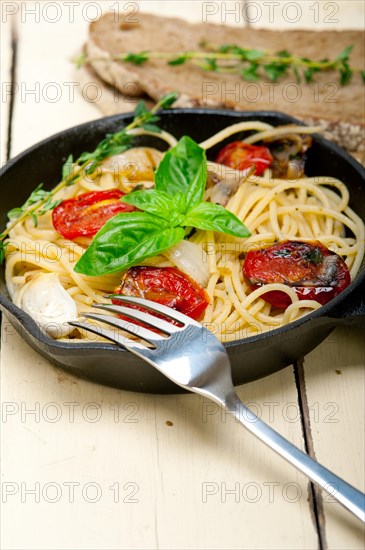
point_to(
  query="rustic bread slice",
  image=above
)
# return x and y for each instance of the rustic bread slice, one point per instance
(104, 96)
(325, 98)
(342, 108)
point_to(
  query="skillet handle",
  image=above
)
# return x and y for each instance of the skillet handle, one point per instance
(352, 311)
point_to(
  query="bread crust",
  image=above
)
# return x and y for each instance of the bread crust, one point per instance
(340, 109)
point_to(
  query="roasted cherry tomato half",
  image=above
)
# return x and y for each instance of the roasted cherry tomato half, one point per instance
(167, 286)
(313, 271)
(240, 155)
(87, 213)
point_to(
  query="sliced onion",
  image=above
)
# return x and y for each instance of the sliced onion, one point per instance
(192, 259)
(48, 303)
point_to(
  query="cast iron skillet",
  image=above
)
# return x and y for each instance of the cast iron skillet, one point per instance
(251, 358)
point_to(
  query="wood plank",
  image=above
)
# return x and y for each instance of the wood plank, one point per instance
(48, 99)
(53, 92)
(5, 64)
(188, 476)
(335, 389)
(319, 15)
(198, 11)
(179, 475)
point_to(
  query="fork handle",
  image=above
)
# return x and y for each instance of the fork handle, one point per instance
(346, 494)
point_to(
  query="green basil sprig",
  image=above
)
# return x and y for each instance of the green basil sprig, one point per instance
(174, 204)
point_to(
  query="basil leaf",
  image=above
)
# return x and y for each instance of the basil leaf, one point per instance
(179, 202)
(214, 217)
(126, 239)
(175, 203)
(183, 169)
(152, 201)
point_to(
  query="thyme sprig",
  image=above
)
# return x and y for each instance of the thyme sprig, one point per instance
(40, 201)
(250, 63)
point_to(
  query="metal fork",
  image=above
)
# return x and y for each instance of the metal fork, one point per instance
(192, 357)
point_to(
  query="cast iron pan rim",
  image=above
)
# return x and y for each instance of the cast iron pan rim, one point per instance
(227, 112)
(33, 329)
(324, 311)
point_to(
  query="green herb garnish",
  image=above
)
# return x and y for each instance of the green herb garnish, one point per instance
(314, 256)
(168, 211)
(249, 63)
(41, 201)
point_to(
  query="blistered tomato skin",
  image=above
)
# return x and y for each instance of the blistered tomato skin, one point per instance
(240, 155)
(313, 271)
(167, 286)
(84, 215)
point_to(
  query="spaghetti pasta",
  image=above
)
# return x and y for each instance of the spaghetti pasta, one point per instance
(274, 209)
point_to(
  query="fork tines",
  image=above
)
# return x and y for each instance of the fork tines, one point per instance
(142, 332)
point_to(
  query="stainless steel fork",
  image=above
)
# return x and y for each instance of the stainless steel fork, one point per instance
(192, 357)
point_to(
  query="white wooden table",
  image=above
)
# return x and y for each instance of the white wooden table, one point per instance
(90, 467)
